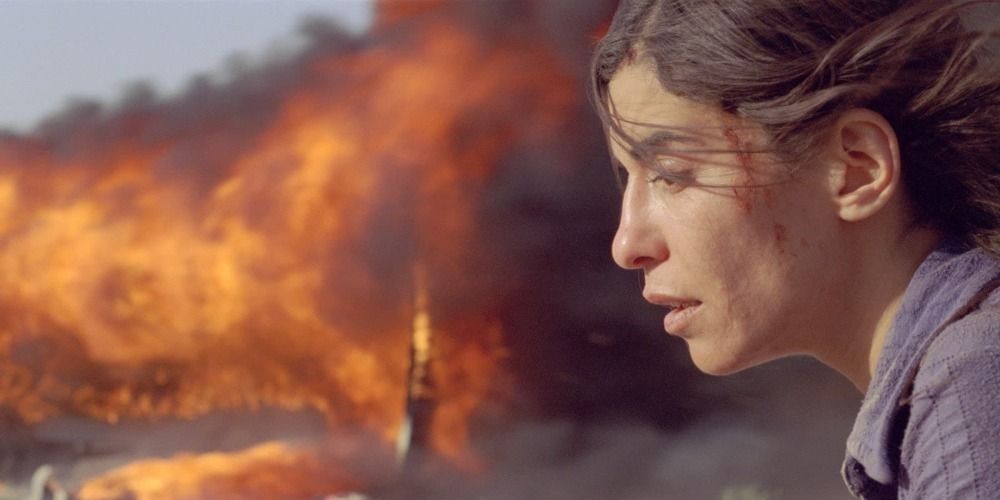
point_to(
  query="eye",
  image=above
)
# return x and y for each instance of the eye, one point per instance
(672, 180)
(662, 179)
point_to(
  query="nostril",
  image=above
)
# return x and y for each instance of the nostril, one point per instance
(624, 254)
(645, 261)
(638, 243)
(640, 261)
(630, 252)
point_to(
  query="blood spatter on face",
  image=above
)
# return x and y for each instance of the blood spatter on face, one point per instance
(781, 237)
(739, 146)
(780, 233)
(744, 197)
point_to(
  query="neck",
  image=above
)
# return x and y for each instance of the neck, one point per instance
(877, 284)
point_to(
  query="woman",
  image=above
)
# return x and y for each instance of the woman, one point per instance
(819, 177)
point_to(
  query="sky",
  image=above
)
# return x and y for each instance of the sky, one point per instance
(55, 50)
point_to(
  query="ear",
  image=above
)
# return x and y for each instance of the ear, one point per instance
(866, 170)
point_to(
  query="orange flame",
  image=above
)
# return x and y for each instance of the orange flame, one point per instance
(142, 278)
(266, 471)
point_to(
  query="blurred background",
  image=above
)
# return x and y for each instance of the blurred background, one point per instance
(294, 249)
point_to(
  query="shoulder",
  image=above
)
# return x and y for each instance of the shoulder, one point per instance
(976, 336)
(951, 447)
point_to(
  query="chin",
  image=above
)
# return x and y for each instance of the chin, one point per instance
(716, 368)
(717, 362)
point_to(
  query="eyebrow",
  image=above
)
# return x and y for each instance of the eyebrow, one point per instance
(664, 137)
(661, 139)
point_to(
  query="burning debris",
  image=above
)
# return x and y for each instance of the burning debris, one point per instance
(267, 471)
(414, 432)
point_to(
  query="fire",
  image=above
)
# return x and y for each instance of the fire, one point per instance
(270, 470)
(157, 265)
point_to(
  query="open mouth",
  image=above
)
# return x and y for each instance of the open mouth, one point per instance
(682, 306)
(679, 316)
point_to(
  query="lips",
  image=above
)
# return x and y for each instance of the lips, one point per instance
(677, 320)
(680, 310)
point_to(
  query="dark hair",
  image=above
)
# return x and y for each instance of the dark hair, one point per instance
(792, 66)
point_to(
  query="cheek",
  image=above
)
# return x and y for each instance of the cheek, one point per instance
(739, 249)
(755, 254)
(784, 223)
(782, 241)
(743, 235)
(738, 224)
(759, 221)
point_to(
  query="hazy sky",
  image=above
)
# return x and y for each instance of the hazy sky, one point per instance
(51, 50)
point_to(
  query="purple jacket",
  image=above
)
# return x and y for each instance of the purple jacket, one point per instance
(929, 426)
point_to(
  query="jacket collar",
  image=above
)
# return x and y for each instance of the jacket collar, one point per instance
(945, 282)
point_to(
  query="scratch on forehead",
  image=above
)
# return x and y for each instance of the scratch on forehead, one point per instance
(740, 145)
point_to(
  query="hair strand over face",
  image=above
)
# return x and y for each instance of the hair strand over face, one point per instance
(793, 66)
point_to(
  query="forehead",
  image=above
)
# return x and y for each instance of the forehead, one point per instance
(642, 107)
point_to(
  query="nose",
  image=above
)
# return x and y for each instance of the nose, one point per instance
(639, 241)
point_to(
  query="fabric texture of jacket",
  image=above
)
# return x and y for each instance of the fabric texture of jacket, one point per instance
(929, 425)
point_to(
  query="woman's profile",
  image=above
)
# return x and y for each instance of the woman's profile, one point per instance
(820, 177)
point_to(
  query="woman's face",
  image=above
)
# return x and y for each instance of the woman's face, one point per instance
(730, 239)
